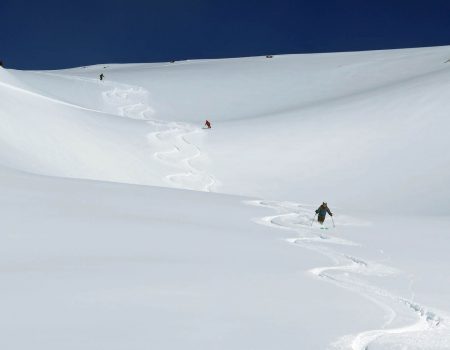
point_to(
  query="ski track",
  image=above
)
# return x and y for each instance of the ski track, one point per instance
(131, 102)
(348, 272)
(181, 153)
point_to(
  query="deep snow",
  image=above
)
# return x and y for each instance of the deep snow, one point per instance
(95, 256)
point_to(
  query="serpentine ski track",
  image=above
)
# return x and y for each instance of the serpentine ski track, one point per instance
(181, 152)
(429, 328)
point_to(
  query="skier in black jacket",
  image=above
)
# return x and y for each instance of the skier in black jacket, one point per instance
(322, 212)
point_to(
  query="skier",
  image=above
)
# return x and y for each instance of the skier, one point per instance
(101, 76)
(322, 212)
(208, 124)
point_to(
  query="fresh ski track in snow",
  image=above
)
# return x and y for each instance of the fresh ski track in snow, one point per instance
(130, 102)
(183, 153)
(430, 325)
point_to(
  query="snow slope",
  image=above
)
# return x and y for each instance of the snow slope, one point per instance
(95, 256)
(372, 123)
(93, 264)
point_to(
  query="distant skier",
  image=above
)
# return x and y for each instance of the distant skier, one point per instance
(208, 124)
(322, 212)
(101, 76)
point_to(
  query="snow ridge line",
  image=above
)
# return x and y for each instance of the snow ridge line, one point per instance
(344, 273)
(51, 99)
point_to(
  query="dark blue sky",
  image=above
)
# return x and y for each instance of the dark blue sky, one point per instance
(49, 34)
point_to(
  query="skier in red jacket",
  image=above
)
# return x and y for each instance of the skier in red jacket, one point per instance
(208, 124)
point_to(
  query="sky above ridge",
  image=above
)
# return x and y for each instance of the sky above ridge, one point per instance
(49, 34)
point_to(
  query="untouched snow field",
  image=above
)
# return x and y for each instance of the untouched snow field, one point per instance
(104, 246)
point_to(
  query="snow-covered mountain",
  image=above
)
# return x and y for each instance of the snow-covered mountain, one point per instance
(104, 247)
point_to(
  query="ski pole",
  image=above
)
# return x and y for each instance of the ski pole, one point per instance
(314, 219)
(333, 221)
